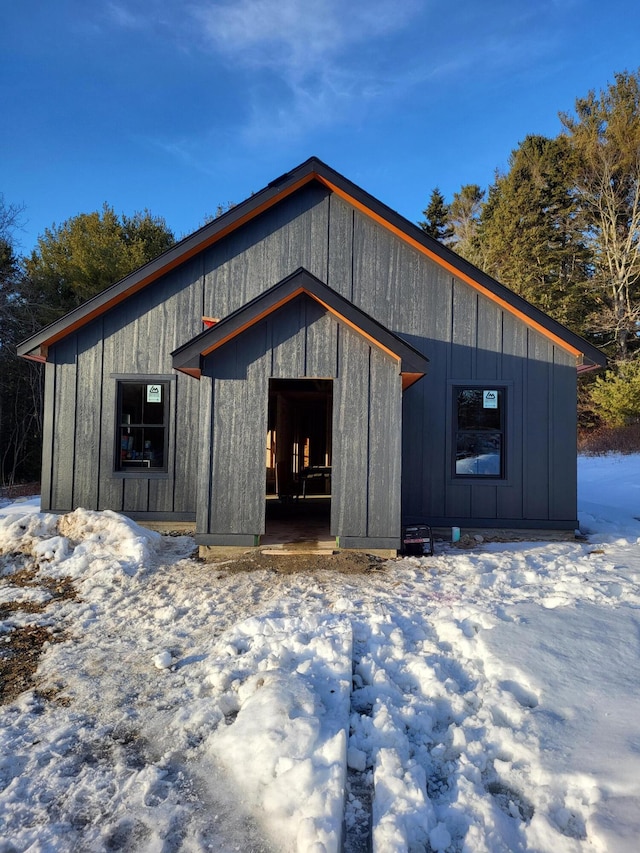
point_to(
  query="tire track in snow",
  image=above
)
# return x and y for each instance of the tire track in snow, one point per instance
(442, 752)
(359, 786)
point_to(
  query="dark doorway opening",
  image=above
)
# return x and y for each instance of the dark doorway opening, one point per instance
(298, 461)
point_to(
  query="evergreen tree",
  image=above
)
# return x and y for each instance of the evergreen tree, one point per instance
(87, 253)
(464, 213)
(616, 395)
(604, 135)
(529, 238)
(436, 218)
(72, 262)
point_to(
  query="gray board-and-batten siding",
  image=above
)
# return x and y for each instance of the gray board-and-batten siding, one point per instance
(301, 339)
(465, 335)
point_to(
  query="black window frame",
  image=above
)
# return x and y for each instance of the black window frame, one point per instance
(501, 429)
(144, 470)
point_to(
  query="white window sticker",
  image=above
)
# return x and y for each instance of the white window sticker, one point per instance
(490, 399)
(154, 393)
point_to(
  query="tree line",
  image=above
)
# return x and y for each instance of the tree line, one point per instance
(70, 263)
(561, 227)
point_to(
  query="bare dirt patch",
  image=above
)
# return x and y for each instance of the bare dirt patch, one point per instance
(347, 562)
(19, 659)
(21, 647)
(58, 588)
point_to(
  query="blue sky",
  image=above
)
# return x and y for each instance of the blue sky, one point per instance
(179, 106)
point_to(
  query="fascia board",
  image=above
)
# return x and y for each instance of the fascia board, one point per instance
(189, 355)
(313, 169)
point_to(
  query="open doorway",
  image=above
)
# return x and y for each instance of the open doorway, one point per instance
(298, 461)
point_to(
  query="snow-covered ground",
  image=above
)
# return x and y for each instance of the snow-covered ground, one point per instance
(483, 699)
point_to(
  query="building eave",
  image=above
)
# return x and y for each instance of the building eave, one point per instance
(313, 169)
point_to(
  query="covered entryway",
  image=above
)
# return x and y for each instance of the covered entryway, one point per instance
(303, 368)
(298, 462)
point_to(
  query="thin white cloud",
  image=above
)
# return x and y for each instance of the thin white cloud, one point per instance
(321, 56)
(123, 17)
(302, 66)
(294, 37)
(144, 16)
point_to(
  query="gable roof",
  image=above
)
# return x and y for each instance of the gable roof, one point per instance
(36, 346)
(188, 358)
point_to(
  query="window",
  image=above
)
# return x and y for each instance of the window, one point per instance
(142, 426)
(479, 431)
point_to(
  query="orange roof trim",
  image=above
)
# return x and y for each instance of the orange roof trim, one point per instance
(171, 264)
(276, 191)
(411, 363)
(449, 267)
(288, 298)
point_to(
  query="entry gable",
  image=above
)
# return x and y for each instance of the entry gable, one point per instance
(412, 364)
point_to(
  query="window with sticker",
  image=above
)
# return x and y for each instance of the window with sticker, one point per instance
(479, 429)
(142, 421)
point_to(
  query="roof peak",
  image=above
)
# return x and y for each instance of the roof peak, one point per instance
(273, 193)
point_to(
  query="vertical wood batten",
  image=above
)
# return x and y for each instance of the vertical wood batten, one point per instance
(136, 495)
(340, 247)
(432, 333)
(463, 332)
(539, 376)
(318, 223)
(204, 466)
(458, 495)
(321, 341)
(488, 350)
(484, 501)
(138, 336)
(88, 416)
(366, 272)
(288, 336)
(180, 491)
(458, 500)
(266, 250)
(350, 437)
(240, 426)
(489, 340)
(385, 431)
(65, 355)
(111, 490)
(48, 426)
(509, 499)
